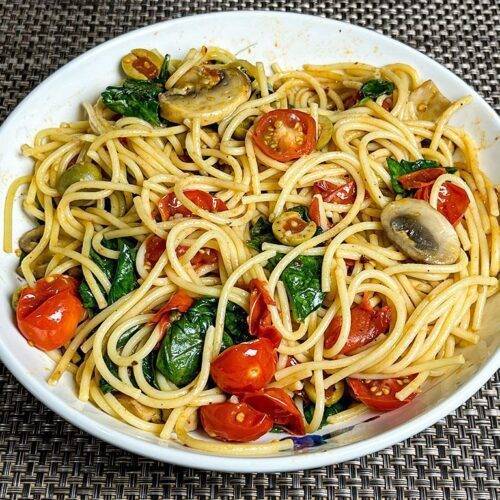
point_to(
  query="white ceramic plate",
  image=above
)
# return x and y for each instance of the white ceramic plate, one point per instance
(290, 40)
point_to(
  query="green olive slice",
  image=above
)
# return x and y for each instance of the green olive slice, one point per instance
(81, 171)
(142, 64)
(332, 394)
(241, 130)
(290, 229)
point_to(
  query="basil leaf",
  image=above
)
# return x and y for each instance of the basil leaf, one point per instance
(404, 167)
(333, 409)
(124, 280)
(302, 280)
(375, 88)
(136, 98)
(302, 211)
(261, 232)
(86, 296)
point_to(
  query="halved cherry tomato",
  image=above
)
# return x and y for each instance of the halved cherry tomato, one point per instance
(48, 312)
(452, 200)
(421, 178)
(285, 134)
(155, 246)
(245, 367)
(388, 103)
(259, 320)
(315, 216)
(332, 193)
(366, 325)
(278, 405)
(179, 301)
(234, 422)
(379, 394)
(169, 205)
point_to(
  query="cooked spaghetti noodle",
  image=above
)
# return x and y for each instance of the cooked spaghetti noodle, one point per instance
(434, 308)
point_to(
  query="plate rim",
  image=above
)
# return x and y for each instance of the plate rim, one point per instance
(195, 459)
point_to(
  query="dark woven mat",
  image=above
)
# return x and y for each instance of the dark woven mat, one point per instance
(42, 456)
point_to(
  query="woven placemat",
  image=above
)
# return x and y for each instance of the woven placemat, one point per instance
(42, 456)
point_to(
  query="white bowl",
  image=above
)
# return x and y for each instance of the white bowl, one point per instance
(290, 40)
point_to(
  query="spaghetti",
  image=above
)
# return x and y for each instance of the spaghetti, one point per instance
(206, 209)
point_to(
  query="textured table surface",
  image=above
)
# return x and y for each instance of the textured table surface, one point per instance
(42, 456)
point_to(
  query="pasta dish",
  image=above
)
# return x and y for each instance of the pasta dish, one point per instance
(222, 252)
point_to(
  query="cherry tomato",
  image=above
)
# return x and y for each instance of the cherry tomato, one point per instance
(179, 301)
(388, 103)
(234, 422)
(259, 320)
(155, 246)
(203, 257)
(314, 214)
(245, 367)
(285, 134)
(278, 405)
(352, 99)
(48, 312)
(452, 200)
(332, 193)
(421, 178)
(379, 394)
(366, 325)
(169, 205)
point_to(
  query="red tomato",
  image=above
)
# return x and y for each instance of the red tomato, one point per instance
(452, 200)
(234, 422)
(203, 257)
(285, 134)
(388, 103)
(48, 312)
(278, 405)
(366, 325)
(332, 193)
(314, 214)
(245, 367)
(383, 397)
(259, 319)
(352, 99)
(421, 178)
(169, 205)
(155, 246)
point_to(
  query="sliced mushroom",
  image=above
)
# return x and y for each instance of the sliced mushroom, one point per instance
(29, 240)
(429, 103)
(208, 92)
(420, 231)
(138, 409)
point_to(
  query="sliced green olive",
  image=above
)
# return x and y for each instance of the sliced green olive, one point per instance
(420, 231)
(325, 132)
(142, 64)
(118, 204)
(81, 171)
(290, 229)
(241, 130)
(332, 394)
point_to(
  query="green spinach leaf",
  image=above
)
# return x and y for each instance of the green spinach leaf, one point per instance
(136, 98)
(375, 88)
(125, 279)
(180, 353)
(261, 232)
(302, 280)
(164, 70)
(403, 167)
(333, 409)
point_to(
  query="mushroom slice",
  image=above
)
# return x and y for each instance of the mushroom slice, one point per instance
(29, 240)
(420, 231)
(207, 92)
(429, 103)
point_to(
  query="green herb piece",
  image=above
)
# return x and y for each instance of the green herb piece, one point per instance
(375, 88)
(136, 98)
(261, 232)
(164, 70)
(302, 280)
(404, 167)
(125, 279)
(333, 409)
